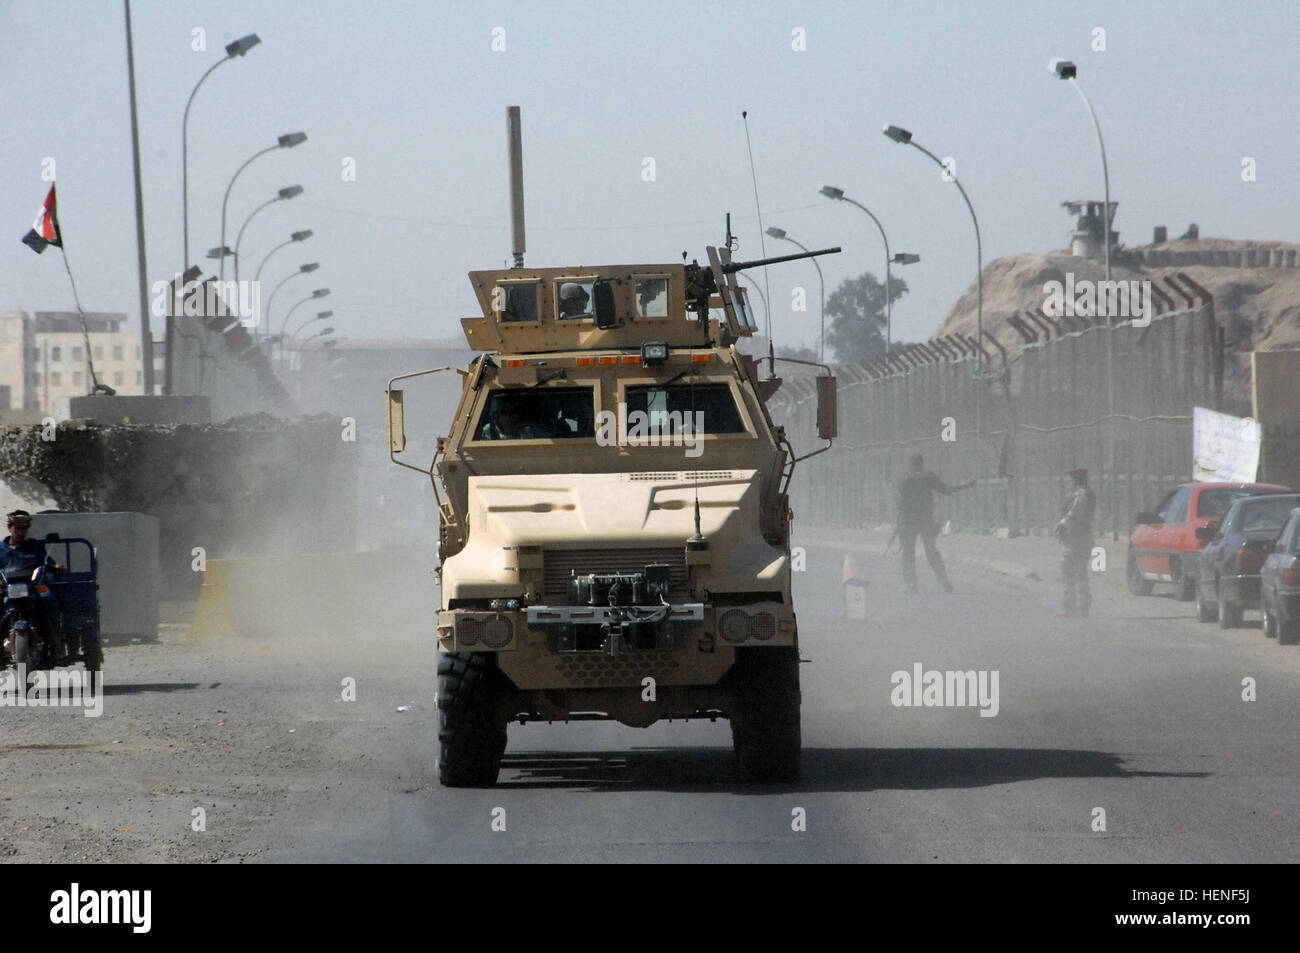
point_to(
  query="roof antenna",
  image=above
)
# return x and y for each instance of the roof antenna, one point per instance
(762, 243)
(515, 143)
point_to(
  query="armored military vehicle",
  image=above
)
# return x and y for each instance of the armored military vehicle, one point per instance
(614, 529)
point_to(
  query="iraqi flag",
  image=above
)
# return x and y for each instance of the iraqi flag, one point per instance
(45, 230)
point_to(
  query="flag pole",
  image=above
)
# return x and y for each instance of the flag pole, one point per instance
(85, 330)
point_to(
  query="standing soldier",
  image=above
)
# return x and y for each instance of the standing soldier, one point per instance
(916, 518)
(1075, 533)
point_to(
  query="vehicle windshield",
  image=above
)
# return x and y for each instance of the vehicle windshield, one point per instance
(1215, 503)
(1268, 514)
(553, 413)
(670, 408)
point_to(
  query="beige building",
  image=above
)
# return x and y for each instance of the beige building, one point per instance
(43, 359)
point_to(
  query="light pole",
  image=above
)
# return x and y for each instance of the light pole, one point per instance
(779, 233)
(302, 270)
(295, 237)
(903, 137)
(238, 48)
(322, 316)
(288, 192)
(287, 141)
(902, 258)
(1064, 69)
(318, 293)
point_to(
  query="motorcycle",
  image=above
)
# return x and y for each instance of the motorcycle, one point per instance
(25, 643)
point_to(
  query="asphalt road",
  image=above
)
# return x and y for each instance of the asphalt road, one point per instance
(1137, 711)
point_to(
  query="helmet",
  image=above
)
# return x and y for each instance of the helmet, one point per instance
(571, 290)
(19, 518)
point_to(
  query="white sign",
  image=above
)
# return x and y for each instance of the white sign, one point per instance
(1225, 449)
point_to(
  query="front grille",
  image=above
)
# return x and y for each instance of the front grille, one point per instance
(603, 671)
(559, 564)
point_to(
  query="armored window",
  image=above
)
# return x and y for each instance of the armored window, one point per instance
(76, 353)
(56, 354)
(573, 298)
(99, 353)
(76, 378)
(56, 379)
(681, 408)
(118, 378)
(652, 298)
(515, 301)
(552, 413)
(117, 352)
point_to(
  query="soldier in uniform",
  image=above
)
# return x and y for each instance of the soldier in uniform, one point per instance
(1075, 533)
(916, 518)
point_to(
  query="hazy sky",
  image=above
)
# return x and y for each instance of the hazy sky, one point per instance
(415, 93)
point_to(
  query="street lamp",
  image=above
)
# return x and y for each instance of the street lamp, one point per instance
(1064, 69)
(902, 258)
(294, 237)
(318, 293)
(903, 137)
(319, 317)
(287, 141)
(238, 48)
(779, 233)
(302, 270)
(288, 192)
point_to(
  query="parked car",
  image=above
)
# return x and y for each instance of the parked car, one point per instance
(1163, 545)
(1227, 577)
(1279, 585)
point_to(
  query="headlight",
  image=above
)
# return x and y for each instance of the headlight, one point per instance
(735, 626)
(468, 631)
(764, 626)
(497, 632)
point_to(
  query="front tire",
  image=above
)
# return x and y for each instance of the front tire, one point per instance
(471, 738)
(766, 730)
(1136, 584)
(1266, 622)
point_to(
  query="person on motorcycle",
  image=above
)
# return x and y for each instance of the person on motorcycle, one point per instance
(19, 557)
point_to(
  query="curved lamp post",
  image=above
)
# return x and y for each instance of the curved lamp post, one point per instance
(287, 141)
(779, 233)
(294, 237)
(302, 270)
(318, 293)
(902, 258)
(322, 316)
(903, 137)
(288, 192)
(238, 48)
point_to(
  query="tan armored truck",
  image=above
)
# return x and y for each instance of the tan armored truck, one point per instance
(614, 529)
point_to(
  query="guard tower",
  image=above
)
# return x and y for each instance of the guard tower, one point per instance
(1089, 224)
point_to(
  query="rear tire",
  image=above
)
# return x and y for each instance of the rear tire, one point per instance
(1266, 622)
(1205, 609)
(471, 739)
(1288, 631)
(766, 730)
(1136, 584)
(1229, 614)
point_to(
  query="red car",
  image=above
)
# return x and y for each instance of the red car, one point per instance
(1163, 546)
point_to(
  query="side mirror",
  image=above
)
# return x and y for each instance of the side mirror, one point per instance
(1147, 519)
(1207, 532)
(396, 422)
(602, 305)
(51, 537)
(827, 408)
